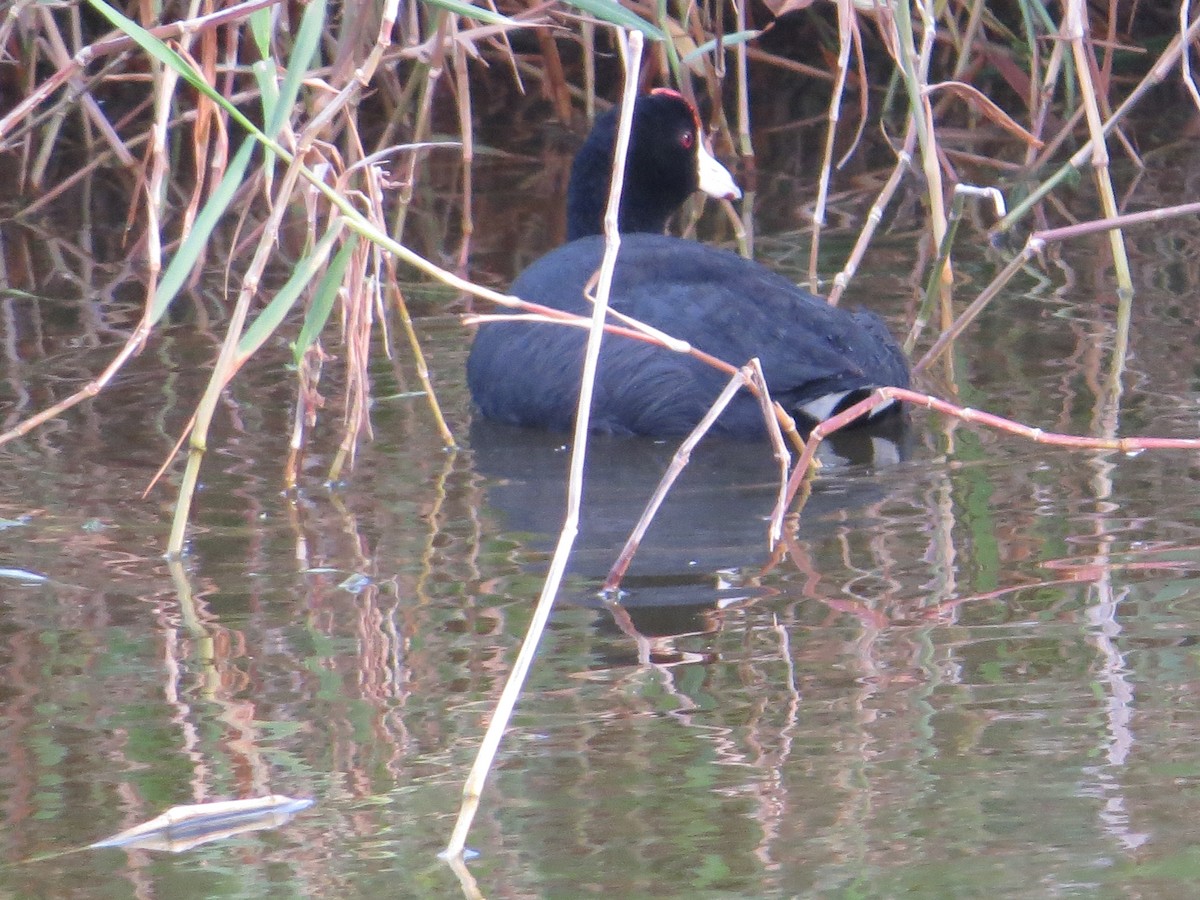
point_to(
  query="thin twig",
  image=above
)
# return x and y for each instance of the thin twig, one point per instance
(1033, 246)
(845, 14)
(119, 44)
(875, 215)
(883, 396)
(1157, 74)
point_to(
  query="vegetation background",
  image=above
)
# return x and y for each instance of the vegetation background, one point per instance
(317, 157)
(283, 144)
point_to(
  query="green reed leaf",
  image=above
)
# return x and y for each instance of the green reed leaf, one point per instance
(729, 40)
(323, 297)
(281, 304)
(614, 13)
(478, 13)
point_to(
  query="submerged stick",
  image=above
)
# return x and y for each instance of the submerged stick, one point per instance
(748, 376)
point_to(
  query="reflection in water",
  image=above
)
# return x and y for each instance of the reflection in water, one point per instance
(708, 541)
(1102, 618)
(714, 519)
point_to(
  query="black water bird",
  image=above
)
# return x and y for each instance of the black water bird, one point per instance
(817, 358)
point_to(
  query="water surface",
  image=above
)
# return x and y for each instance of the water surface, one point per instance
(971, 673)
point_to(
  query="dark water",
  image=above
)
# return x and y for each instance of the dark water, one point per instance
(973, 673)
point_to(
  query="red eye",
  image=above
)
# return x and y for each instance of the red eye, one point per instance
(686, 140)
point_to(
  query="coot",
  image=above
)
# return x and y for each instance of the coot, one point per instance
(817, 358)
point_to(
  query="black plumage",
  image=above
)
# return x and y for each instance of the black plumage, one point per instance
(816, 357)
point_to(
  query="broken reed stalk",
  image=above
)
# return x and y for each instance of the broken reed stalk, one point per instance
(773, 414)
(679, 461)
(961, 192)
(631, 52)
(875, 215)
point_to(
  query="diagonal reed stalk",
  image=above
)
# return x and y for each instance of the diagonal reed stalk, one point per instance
(1066, 65)
(1037, 241)
(846, 23)
(278, 102)
(439, 41)
(805, 465)
(932, 288)
(631, 53)
(903, 159)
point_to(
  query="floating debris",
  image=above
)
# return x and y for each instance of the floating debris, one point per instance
(181, 828)
(22, 575)
(355, 584)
